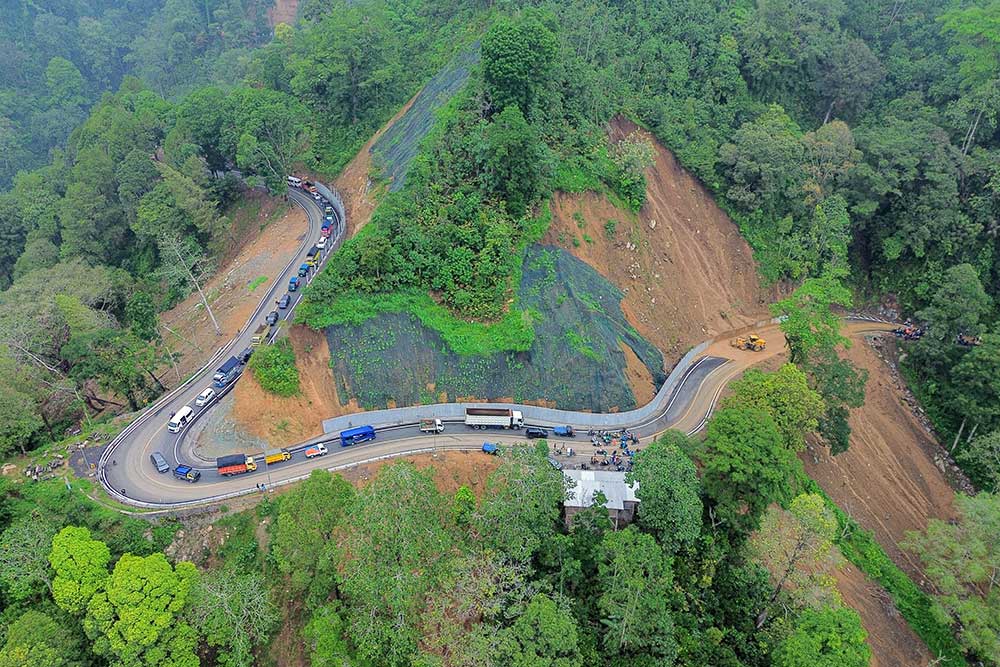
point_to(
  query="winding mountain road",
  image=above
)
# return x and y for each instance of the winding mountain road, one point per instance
(684, 402)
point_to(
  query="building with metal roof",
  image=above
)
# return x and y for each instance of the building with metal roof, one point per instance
(621, 499)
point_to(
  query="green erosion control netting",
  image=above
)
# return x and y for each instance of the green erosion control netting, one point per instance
(575, 362)
(395, 149)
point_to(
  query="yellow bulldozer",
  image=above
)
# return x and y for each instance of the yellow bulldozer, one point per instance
(751, 342)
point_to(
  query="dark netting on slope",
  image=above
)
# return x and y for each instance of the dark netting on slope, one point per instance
(395, 150)
(575, 363)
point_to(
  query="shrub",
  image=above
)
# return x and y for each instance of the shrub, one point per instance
(274, 368)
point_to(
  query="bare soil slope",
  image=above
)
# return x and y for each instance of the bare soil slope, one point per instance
(685, 269)
(888, 480)
(283, 11)
(264, 243)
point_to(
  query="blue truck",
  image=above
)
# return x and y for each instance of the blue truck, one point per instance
(227, 372)
(491, 448)
(353, 436)
(293, 283)
(187, 473)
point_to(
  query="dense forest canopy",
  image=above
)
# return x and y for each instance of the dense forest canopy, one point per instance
(60, 56)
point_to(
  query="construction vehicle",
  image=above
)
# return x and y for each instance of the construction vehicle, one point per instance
(431, 426)
(273, 456)
(751, 342)
(493, 418)
(235, 464)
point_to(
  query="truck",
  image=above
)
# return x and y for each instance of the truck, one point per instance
(309, 187)
(187, 474)
(481, 418)
(260, 335)
(227, 372)
(491, 448)
(273, 456)
(353, 436)
(312, 256)
(431, 426)
(235, 464)
(303, 270)
(318, 449)
(564, 431)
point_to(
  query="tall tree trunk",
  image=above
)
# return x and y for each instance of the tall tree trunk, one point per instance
(957, 436)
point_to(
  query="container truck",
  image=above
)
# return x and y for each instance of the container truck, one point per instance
(493, 418)
(352, 436)
(227, 372)
(431, 426)
(273, 456)
(235, 464)
(312, 257)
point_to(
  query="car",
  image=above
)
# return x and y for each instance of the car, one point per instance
(316, 450)
(160, 462)
(293, 283)
(284, 301)
(328, 221)
(303, 270)
(272, 318)
(317, 196)
(325, 232)
(321, 244)
(535, 432)
(246, 354)
(204, 397)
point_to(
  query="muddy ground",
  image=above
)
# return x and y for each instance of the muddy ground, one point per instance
(685, 270)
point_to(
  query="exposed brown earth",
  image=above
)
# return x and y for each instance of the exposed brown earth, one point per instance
(451, 469)
(686, 271)
(887, 480)
(355, 184)
(283, 11)
(285, 421)
(266, 234)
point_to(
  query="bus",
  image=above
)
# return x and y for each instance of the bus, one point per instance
(353, 436)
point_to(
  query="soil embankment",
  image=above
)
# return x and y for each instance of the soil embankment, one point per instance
(685, 270)
(267, 233)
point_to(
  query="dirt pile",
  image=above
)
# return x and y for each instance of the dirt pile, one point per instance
(685, 270)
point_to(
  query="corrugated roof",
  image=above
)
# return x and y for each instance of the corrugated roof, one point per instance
(610, 482)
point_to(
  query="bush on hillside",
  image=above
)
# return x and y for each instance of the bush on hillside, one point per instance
(274, 368)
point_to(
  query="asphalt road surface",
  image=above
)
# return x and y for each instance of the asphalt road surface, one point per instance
(128, 474)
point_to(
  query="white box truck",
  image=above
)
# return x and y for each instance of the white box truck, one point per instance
(481, 418)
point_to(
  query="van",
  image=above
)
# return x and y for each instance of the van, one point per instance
(160, 462)
(294, 182)
(180, 419)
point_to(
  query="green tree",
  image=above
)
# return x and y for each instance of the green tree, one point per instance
(785, 395)
(393, 554)
(24, 557)
(796, 548)
(827, 637)
(518, 56)
(326, 636)
(80, 564)
(304, 532)
(274, 368)
(233, 610)
(636, 579)
(980, 458)
(670, 503)
(747, 465)
(543, 636)
(135, 619)
(512, 159)
(140, 312)
(19, 420)
(963, 562)
(520, 509)
(38, 640)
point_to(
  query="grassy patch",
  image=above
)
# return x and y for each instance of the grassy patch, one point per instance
(513, 332)
(582, 345)
(274, 368)
(256, 282)
(610, 228)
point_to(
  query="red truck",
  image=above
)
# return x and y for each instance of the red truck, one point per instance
(235, 464)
